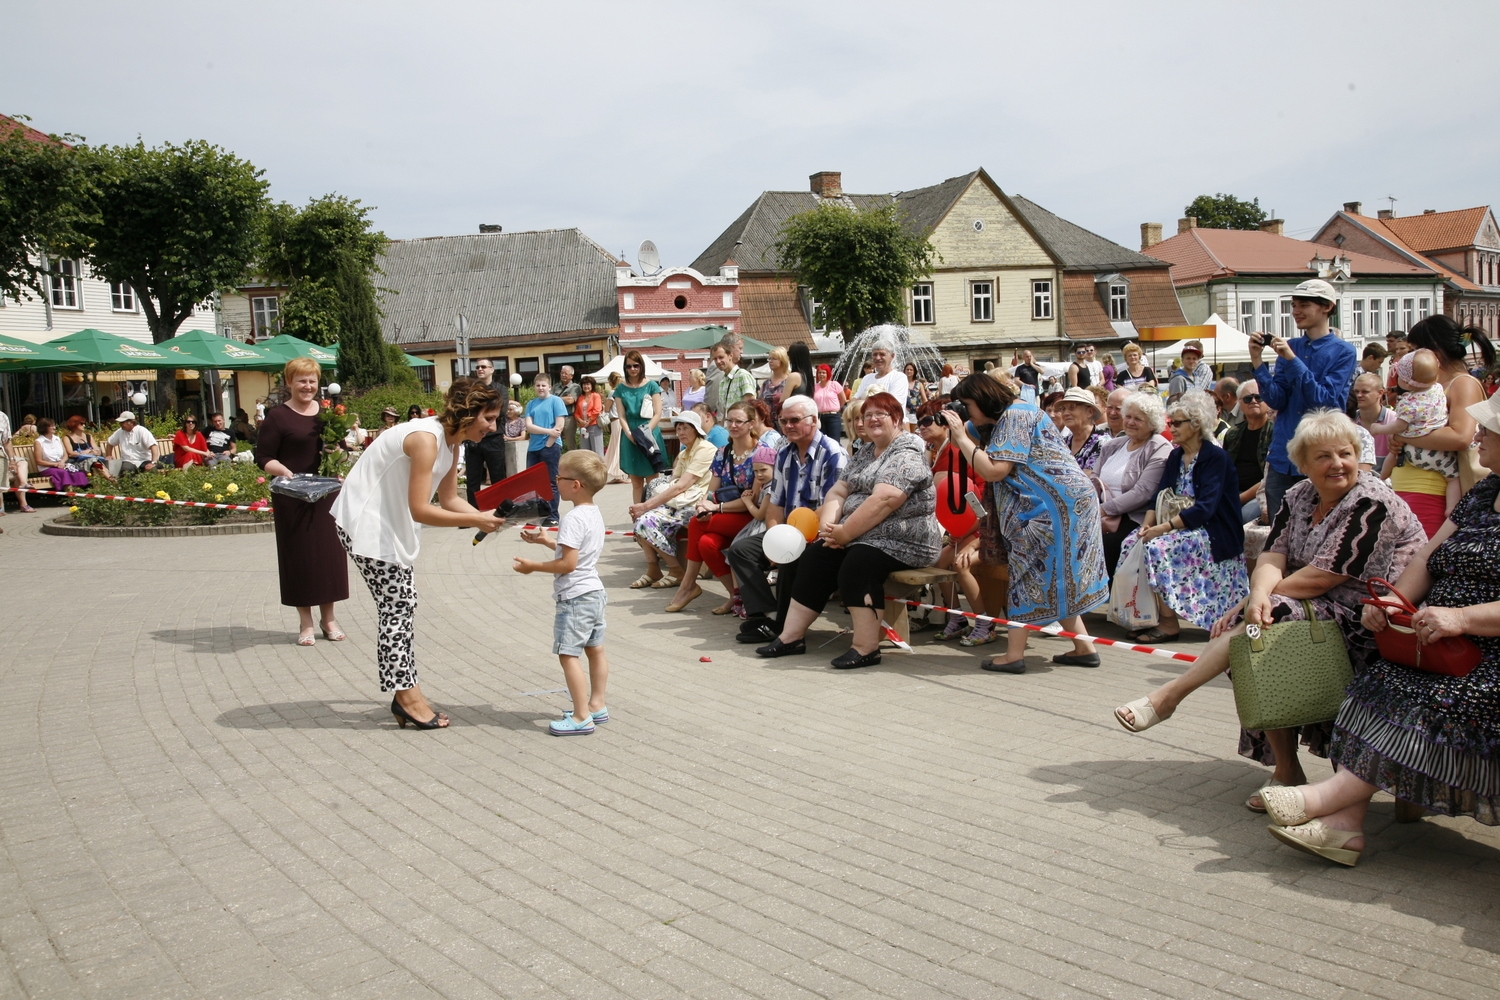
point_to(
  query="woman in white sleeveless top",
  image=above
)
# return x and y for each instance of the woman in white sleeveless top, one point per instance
(386, 499)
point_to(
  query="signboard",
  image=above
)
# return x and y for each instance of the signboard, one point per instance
(1159, 334)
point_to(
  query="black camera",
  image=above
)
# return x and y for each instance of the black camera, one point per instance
(959, 407)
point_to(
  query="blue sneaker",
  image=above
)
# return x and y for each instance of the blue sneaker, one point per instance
(569, 726)
(600, 717)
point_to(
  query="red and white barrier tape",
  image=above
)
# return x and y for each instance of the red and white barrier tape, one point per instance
(1056, 630)
(173, 503)
(623, 534)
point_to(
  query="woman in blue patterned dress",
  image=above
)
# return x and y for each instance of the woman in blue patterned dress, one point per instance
(1196, 560)
(1047, 511)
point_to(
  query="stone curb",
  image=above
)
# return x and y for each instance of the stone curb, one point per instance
(52, 527)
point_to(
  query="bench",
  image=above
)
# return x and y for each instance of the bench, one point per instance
(994, 588)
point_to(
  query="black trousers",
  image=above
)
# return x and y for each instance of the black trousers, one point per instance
(748, 560)
(858, 573)
(484, 459)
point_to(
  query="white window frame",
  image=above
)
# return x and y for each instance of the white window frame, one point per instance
(922, 311)
(1119, 302)
(121, 297)
(1375, 318)
(1288, 325)
(1424, 308)
(1247, 316)
(982, 300)
(67, 290)
(1268, 316)
(1041, 298)
(1392, 316)
(629, 302)
(271, 315)
(1357, 317)
(1409, 312)
(728, 300)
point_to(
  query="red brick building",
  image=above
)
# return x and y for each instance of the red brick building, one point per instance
(674, 299)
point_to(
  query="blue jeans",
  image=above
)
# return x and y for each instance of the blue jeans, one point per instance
(1277, 483)
(550, 456)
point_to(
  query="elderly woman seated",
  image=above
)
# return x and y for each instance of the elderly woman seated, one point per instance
(1336, 529)
(1128, 470)
(1428, 739)
(878, 518)
(662, 514)
(1194, 557)
(1081, 416)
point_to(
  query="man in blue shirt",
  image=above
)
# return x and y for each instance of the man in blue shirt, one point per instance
(1314, 372)
(545, 416)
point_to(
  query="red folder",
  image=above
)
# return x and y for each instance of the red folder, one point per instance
(533, 482)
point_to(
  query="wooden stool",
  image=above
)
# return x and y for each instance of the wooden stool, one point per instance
(903, 585)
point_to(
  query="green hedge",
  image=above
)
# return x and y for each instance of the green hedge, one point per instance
(193, 483)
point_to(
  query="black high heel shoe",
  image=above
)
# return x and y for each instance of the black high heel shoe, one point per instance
(403, 717)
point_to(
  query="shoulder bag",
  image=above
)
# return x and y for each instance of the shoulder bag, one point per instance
(1454, 655)
(1170, 503)
(1289, 674)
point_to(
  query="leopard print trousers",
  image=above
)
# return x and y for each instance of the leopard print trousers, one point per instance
(396, 607)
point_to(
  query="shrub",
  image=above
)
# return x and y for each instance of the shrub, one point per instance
(193, 483)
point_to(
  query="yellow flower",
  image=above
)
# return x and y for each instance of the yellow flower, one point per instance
(232, 488)
(208, 487)
(163, 495)
(73, 509)
(218, 498)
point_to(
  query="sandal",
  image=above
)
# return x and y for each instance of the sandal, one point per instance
(336, 635)
(1155, 635)
(1254, 802)
(642, 582)
(1142, 715)
(1318, 838)
(307, 638)
(27, 510)
(979, 635)
(952, 629)
(670, 580)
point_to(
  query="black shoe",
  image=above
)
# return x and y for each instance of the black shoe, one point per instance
(779, 648)
(1077, 659)
(763, 631)
(403, 717)
(999, 666)
(549, 522)
(854, 658)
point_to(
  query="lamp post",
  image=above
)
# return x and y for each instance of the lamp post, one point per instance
(515, 385)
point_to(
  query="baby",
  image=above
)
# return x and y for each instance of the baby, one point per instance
(1421, 409)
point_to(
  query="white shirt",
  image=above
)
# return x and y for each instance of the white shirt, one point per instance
(4, 430)
(373, 508)
(135, 445)
(581, 528)
(1112, 472)
(52, 448)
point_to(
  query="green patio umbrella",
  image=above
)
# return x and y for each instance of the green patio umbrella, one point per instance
(697, 339)
(22, 355)
(200, 349)
(412, 361)
(287, 347)
(95, 350)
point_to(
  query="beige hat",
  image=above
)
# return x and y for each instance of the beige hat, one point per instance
(1316, 288)
(1077, 395)
(124, 416)
(691, 419)
(1487, 413)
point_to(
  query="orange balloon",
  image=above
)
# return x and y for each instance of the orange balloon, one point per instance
(805, 520)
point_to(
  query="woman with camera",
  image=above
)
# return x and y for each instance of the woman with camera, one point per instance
(722, 512)
(1047, 511)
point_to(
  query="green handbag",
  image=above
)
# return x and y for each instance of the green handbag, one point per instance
(1289, 674)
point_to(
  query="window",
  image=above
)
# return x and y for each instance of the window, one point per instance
(1374, 317)
(265, 314)
(1424, 308)
(1247, 316)
(728, 300)
(527, 368)
(1392, 318)
(1041, 300)
(581, 362)
(1267, 315)
(65, 285)
(982, 299)
(1408, 311)
(921, 303)
(1357, 317)
(1288, 325)
(629, 298)
(122, 297)
(1119, 303)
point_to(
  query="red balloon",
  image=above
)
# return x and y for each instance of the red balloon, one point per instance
(957, 525)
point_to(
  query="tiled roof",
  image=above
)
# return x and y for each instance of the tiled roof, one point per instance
(1201, 254)
(508, 285)
(1075, 248)
(1381, 231)
(1440, 230)
(771, 311)
(1153, 302)
(925, 207)
(9, 125)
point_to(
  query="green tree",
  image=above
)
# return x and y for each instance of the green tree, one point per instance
(176, 223)
(306, 249)
(1225, 211)
(44, 189)
(856, 262)
(364, 361)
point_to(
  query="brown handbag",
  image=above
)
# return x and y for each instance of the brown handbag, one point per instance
(1454, 655)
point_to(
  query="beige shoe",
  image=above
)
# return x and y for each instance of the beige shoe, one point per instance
(1142, 715)
(1316, 837)
(1254, 803)
(1285, 805)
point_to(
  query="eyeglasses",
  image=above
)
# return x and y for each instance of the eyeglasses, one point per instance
(794, 421)
(737, 423)
(1253, 397)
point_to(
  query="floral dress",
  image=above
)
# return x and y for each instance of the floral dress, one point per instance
(1432, 739)
(1088, 456)
(1182, 571)
(660, 525)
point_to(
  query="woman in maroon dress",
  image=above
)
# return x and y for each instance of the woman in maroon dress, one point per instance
(309, 557)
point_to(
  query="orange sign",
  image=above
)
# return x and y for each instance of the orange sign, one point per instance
(1154, 334)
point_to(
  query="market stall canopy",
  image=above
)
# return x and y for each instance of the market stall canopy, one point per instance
(95, 350)
(616, 366)
(287, 347)
(201, 349)
(699, 338)
(19, 355)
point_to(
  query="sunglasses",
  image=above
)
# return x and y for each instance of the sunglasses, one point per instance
(632, 366)
(794, 421)
(927, 421)
(1179, 423)
(1253, 397)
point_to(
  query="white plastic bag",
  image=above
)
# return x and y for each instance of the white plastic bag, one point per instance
(1132, 605)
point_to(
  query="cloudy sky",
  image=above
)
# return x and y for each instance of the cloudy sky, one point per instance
(665, 120)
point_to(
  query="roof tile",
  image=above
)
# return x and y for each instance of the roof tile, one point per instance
(1440, 230)
(1200, 254)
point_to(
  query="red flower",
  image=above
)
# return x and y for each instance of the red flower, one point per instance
(339, 409)
(431, 412)
(326, 404)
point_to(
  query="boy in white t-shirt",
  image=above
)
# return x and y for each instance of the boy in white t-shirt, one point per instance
(578, 627)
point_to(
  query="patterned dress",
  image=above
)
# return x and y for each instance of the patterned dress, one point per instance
(1182, 571)
(1369, 533)
(660, 525)
(1088, 456)
(1048, 515)
(1432, 739)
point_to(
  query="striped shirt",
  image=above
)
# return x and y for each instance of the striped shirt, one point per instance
(797, 483)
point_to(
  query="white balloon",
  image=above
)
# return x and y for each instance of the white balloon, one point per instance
(783, 544)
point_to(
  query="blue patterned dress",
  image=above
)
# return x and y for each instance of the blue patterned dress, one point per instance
(1048, 515)
(1182, 571)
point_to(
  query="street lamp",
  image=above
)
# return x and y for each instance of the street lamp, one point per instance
(515, 385)
(334, 389)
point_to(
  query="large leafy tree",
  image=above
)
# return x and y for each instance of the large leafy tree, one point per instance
(856, 262)
(44, 187)
(1225, 211)
(177, 223)
(314, 251)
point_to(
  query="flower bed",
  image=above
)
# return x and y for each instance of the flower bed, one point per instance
(236, 483)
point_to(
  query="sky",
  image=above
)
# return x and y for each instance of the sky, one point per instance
(664, 121)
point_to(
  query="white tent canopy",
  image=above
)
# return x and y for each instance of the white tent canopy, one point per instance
(616, 366)
(1229, 346)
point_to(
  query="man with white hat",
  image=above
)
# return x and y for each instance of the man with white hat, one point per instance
(1314, 372)
(133, 445)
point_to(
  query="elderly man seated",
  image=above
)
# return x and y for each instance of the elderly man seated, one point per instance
(133, 446)
(807, 468)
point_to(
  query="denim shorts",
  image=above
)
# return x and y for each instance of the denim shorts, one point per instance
(579, 623)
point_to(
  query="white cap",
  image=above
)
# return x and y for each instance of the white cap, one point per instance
(124, 416)
(1316, 288)
(689, 417)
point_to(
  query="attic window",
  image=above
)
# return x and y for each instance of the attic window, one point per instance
(1119, 303)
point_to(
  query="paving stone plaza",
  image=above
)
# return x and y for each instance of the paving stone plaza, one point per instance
(192, 806)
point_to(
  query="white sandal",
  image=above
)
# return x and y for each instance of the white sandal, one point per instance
(1285, 805)
(1318, 838)
(1254, 803)
(1143, 715)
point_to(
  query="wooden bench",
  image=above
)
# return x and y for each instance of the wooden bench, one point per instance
(994, 587)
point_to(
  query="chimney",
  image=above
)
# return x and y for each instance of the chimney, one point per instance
(1272, 226)
(1429, 211)
(1183, 225)
(1385, 213)
(1150, 234)
(827, 184)
(1352, 207)
(488, 227)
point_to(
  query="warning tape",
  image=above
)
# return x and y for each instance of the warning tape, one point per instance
(1056, 630)
(173, 503)
(536, 527)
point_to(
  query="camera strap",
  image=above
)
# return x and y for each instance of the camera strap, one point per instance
(961, 503)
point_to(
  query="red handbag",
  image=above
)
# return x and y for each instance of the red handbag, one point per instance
(1453, 655)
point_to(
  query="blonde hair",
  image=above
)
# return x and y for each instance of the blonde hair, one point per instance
(1131, 348)
(586, 467)
(780, 354)
(1320, 427)
(300, 366)
(697, 377)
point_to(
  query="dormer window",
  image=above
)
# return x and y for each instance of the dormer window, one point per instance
(1114, 295)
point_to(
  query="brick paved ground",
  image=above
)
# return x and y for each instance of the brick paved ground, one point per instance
(191, 806)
